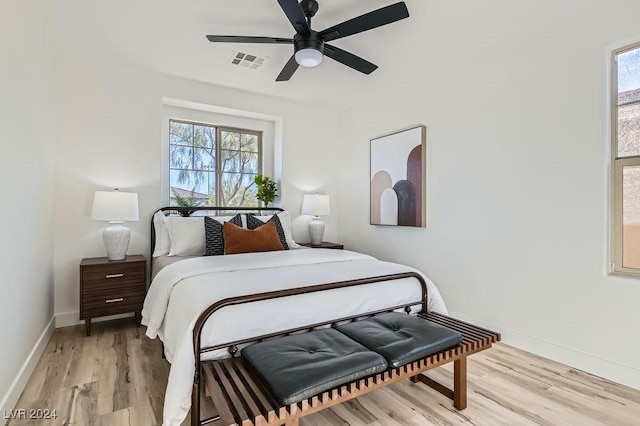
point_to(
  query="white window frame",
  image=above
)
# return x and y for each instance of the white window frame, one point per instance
(617, 166)
(270, 126)
(218, 167)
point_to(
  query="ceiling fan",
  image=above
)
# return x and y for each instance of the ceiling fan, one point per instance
(310, 46)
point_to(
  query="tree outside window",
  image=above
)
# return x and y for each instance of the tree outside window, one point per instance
(213, 165)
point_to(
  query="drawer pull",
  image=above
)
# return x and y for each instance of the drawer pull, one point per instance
(115, 275)
(115, 300)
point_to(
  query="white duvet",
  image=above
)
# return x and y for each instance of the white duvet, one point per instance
(181, 291)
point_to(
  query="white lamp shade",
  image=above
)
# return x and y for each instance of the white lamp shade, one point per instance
(316, 205)
(115, 206)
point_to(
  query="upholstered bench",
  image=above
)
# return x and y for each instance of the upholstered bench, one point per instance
(401, 338)
(300, 366)
(277, 381)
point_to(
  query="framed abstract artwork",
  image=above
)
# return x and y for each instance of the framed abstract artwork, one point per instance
(398, 178)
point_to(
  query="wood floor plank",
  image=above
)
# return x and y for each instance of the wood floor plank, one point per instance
(133, 416)
(116, 376)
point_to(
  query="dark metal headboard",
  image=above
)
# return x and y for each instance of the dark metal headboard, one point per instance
(188, 211)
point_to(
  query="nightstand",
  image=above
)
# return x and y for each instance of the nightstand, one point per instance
(111, 287)
(325, 244)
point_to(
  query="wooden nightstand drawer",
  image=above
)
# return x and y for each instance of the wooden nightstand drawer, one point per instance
(116, 306)
(107, 275)
(112, 287)
(112, 293)
(110, 302)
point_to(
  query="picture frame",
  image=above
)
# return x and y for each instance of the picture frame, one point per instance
(398, 185)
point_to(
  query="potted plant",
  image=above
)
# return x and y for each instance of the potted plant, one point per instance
(186, 202)
(267, 189)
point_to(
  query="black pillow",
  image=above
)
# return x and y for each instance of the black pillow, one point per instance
(253, 222)
(214, 239)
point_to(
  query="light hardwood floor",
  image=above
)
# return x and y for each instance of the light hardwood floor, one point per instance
(117, 377)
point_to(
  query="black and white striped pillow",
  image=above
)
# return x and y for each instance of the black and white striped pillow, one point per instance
(214, 239)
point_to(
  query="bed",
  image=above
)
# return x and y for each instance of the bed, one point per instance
(181, 290)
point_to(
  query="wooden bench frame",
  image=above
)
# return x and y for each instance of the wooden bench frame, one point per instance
(242, 399)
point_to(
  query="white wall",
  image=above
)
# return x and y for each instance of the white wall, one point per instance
(110, 121)
(514, 95)
(26, 230)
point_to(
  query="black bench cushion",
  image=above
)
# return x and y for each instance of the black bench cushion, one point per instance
(401, 338)
(299, 366)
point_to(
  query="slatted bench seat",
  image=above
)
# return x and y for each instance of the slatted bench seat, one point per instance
(242, 398)
(300, 366)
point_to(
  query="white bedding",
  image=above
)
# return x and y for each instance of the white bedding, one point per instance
(181, 291)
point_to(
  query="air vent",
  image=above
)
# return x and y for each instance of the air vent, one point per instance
(248, 60)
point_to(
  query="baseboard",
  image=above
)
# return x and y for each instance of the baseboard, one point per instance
(10, 399)
(592, 364)
(72, 318)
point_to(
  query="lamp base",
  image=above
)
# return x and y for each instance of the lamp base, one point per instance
(116, 241)
(316, 231)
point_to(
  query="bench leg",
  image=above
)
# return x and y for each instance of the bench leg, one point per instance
(459, 393)
(460, 383)
(421, 378)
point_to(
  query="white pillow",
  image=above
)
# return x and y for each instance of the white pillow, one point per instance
(187, 235)
(285, 220)
(163, 241)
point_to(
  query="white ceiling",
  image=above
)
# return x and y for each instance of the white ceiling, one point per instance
(169, 37)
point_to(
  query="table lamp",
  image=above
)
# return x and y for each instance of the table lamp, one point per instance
(316, 205)
(115, 207)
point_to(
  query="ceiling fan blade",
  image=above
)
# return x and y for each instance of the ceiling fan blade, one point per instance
(288, 69)
(296, 16)
(368, 21)
(247, 39)
(349, 59)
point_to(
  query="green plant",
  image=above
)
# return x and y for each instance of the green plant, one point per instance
(186, 202)
(267, 189)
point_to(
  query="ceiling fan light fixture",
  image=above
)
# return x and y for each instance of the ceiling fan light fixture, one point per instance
(309, 57)
(310, 46)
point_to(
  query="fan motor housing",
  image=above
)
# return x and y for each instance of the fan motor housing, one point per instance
(313, 41)
(309, 7)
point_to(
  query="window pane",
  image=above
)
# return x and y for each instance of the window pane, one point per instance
(180, 133)
(239, 161)
(204, 136)
(230, 140)
(249, 143)
(629, 71)
(193, 185)
(230, 161)
(249, 162)
(629, 130)
(180, 157)
(628, 64)
(204, 159)
(210, 199)
(631, 217)
(238, 189)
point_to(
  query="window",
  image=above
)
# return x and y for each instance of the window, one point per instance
(626, 160)
(213, 165)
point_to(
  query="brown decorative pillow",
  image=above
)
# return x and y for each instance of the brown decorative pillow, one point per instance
(240, 240)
